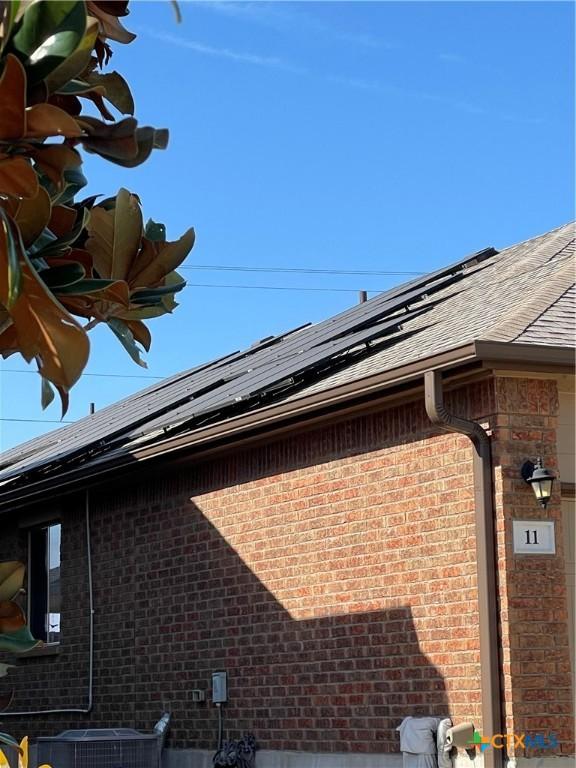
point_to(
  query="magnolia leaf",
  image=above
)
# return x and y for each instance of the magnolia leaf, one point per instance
(45, 331)
(46, 394)
(145, 257)
(155, 231)
(57, 248)
(169, 302)
(155, 295)
(13, 99)
(8, 11)
(170, 256)
(19, 641)
(54, 160)
(126, 337)
(116, 90)
(62, 220)
(124, 144)
(33, 216)
(44, 120)
(10, 741)
(75, 64)
(11, 579)
(140, 333)
(74, 181)
(48, 33)
(115, 235)
(147, 139)
(113, 291)
(10, 273)
(17, 177)
(142, 313)
(62, 276)
(109, 25)
(79, 88)
(11, 617)
(111, 141)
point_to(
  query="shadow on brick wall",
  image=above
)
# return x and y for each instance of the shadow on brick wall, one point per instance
(341, 682)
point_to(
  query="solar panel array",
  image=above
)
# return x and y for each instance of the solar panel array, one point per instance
(267, 371)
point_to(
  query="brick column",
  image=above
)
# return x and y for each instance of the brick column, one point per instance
(538, 693)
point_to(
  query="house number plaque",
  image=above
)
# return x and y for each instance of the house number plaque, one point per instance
(534, 537)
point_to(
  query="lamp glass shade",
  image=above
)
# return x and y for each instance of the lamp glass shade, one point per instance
(542, 488)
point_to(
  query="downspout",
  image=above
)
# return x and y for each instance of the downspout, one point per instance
(485, 556)
(89, 702)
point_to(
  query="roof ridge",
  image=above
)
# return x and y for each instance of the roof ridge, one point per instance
(552, 233)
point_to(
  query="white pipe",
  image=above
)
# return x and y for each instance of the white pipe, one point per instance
(86, 710)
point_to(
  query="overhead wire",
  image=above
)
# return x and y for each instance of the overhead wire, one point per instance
(297, 270)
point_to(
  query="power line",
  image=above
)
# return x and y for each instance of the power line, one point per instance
(282, 288)
(297, 270)
(40, 421)
(104, 375)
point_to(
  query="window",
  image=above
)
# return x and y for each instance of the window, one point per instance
(44, 595)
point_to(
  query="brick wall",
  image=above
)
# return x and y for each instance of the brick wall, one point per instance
(538, 687)
(332, 574)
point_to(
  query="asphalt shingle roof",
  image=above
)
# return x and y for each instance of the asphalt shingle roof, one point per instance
(524, 294)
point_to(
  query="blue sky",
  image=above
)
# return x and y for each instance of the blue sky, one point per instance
(347, 136)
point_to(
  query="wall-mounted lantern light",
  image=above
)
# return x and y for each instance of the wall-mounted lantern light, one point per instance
(540, 479)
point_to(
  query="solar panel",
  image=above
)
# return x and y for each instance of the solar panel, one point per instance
(273, 363)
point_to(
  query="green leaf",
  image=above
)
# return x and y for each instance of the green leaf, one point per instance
(117, 90)
(48, 33)
(85, 286)
(47, 394)
(168, 302)
(63, 275)
(155, 231)
(126, 337)
(154, 293)
(76, 63)
(8, 11)
(75, 87)
(55, 247)
(5, 738)
(75, 181)
(19, 641)
(14, 275)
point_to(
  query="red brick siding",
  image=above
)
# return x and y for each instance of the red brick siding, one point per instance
(331, 573)
(536, 649)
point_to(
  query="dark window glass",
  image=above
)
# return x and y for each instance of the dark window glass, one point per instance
(44, 582)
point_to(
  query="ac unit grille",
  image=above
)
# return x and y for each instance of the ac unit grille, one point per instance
(107, 752)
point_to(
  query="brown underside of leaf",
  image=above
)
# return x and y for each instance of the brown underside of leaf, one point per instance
(13, 99)
(11, 579)
(45, 120)
(11, 617)
(46, 331)
(17, 177)
(54, 159)
(33, 215)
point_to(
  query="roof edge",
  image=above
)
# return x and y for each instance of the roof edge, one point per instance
(491, 354)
